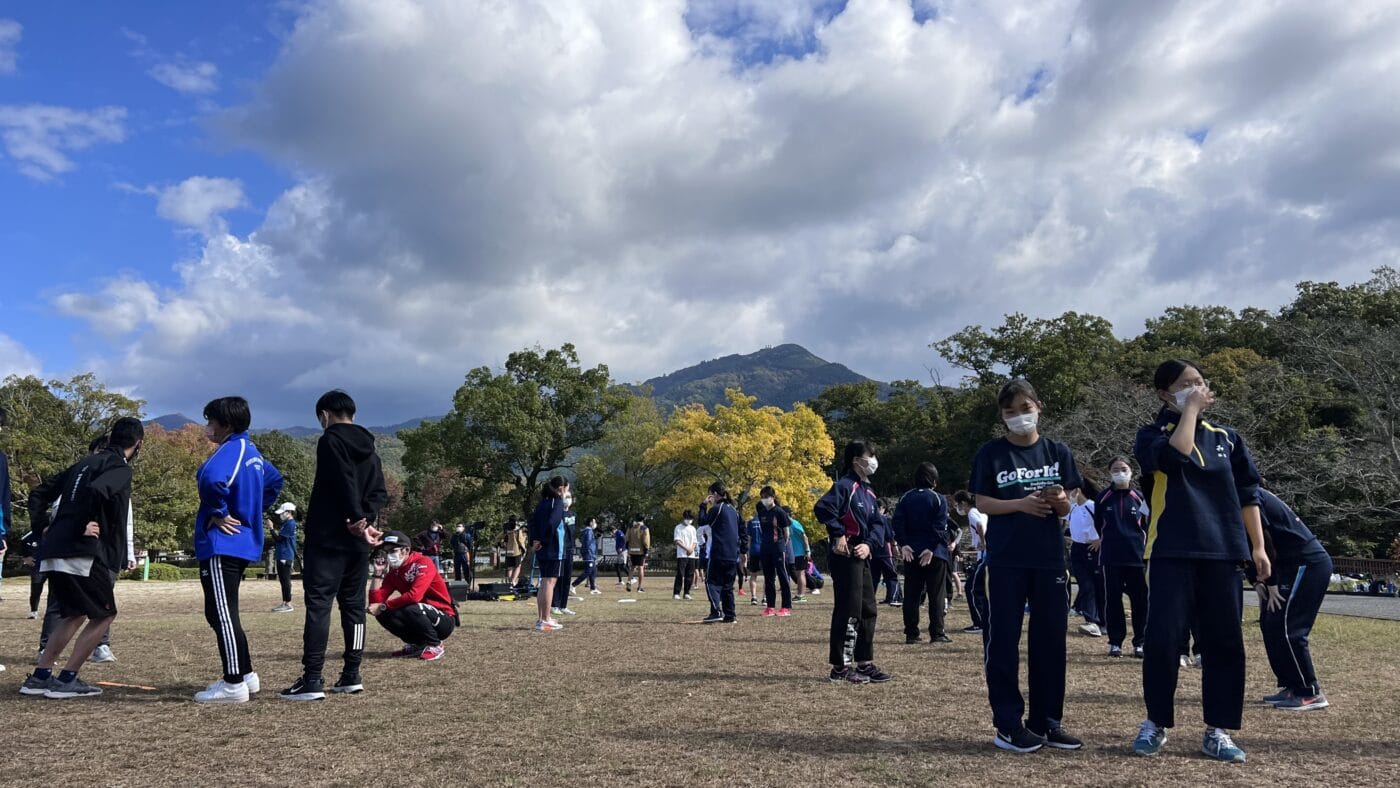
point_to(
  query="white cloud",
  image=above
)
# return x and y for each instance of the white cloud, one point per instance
(39, 137)
(10, 33)
(200, 201)
(15, 359)
(187, 77)
(481, 176)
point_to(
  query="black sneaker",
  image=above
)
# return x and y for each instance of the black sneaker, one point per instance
(729, 621)
(1021, 740)
(712, 619)
(973, 630)
(348, 685)
(871, 671)
(940, 639)
(848, 675)
(1060, 740)
(1115, 651)
(305, 689)
(910, 640)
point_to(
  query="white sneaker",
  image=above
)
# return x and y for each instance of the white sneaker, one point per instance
(552, 624)
(221, 692)
(33, 614)
(1185, 661)
(252, 682)
(816, 592)
(567, 612)
(595, 591)
(102, 654)
(1092, 630)
(675, 596)
(688, 596)
(556, 611)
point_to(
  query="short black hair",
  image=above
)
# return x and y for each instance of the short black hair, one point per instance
(1168, 371)
(962, 496)
(554, 487)
(855, 450)
(229, 412)
(1013, 389)
(126, 432)
(768, 492)
(926, 476)
(336, 403)
(687, 515)
(97, 444)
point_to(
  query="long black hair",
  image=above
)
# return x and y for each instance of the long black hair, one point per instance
(721, 492)
(554, 488)
(1168, 371)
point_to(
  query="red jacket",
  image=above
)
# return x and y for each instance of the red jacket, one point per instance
(416, 580)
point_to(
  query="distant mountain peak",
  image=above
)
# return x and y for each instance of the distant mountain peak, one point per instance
(779, 375)
(171, 421)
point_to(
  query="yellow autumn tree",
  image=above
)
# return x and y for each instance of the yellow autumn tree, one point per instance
(746, 448)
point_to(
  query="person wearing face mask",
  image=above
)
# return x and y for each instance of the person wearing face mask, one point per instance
(975, 588)
(561, 587)
(1020, 482)
(430, 544)
(547, 539)
(1120, 518)
(774, 531)
(684, 538)
(851, 513)
(718, 512)
(588, 554)
(235, 485)
(463, 542)
(1084, 560)
(921, 526)
(1205, 521)
(409, 598)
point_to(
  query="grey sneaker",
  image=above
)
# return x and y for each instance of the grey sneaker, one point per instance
(102, 654)
(285, 607)
(35, 686)
(77, 688)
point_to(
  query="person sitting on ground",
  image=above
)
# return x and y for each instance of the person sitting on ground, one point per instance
(408, 597)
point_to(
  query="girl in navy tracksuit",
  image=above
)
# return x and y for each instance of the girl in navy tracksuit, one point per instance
(719, 513)
(1288, 604)
(548, 539)
(1120, 517)
(774, 533)
(1020, 482)
(921, 528)
(1204, 499)
(851, 513)
(235, 486)
(588, 553)
(561, 586)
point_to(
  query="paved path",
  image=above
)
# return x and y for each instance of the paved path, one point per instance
(1344, 605)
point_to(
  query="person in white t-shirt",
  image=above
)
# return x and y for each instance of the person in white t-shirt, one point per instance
(974, 566)
(1084, 561)
(687, 548)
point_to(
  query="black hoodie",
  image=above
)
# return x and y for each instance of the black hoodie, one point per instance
(95, 489)
(349, 487)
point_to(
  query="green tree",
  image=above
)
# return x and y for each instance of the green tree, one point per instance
(164, 493)
(614, 481)
(295, 459)
(507, 432)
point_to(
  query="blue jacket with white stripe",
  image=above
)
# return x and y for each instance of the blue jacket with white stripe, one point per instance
(236, 481)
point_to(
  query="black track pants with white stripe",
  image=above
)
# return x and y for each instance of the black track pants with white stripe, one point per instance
(338, 576)
(853, 614)
(220, 577)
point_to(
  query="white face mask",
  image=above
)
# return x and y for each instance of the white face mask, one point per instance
(1023, 424)
(872, 464)
(568, 501)
(1183, 396)
(1122, 477)
(768, 502)
(395, 559)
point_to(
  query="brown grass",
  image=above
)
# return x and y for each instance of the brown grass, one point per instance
(631, 694)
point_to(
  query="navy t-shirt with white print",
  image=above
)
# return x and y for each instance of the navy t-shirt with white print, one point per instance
(1007, 472)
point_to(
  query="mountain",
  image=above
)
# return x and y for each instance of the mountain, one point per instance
(778, 376)
(171, 421)
(392, 429)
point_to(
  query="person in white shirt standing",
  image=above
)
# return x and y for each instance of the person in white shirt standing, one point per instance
(974, 567)
(687, 548)
(1084, 561)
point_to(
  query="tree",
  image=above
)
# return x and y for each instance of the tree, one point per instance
(615, 481)
(908, 427)
(295, 459)
(507, 432)
(1058, 356)
(164, 493)
(745, 447)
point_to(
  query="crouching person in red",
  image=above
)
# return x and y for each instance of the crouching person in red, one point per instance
(410, 599)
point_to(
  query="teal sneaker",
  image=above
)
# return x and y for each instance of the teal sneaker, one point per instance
(1150, 739)
(1217, 744)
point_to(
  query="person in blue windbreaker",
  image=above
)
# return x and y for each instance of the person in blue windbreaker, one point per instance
(588, 554)
(235, 485)
(548, 536)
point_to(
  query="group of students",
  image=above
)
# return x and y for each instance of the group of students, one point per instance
(81, 532)
(1200, 522)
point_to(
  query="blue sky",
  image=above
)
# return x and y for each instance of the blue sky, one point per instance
(276, 198)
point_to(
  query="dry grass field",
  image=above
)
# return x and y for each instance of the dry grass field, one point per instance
(633, 694)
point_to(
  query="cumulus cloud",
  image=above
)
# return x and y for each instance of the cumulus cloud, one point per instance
(10, 33)
(187, 77)
(15, 359)
(39, 137)
(200, 201)
(664, 182)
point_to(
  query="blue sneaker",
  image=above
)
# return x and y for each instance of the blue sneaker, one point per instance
(1218, 745)
(1150, 739)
